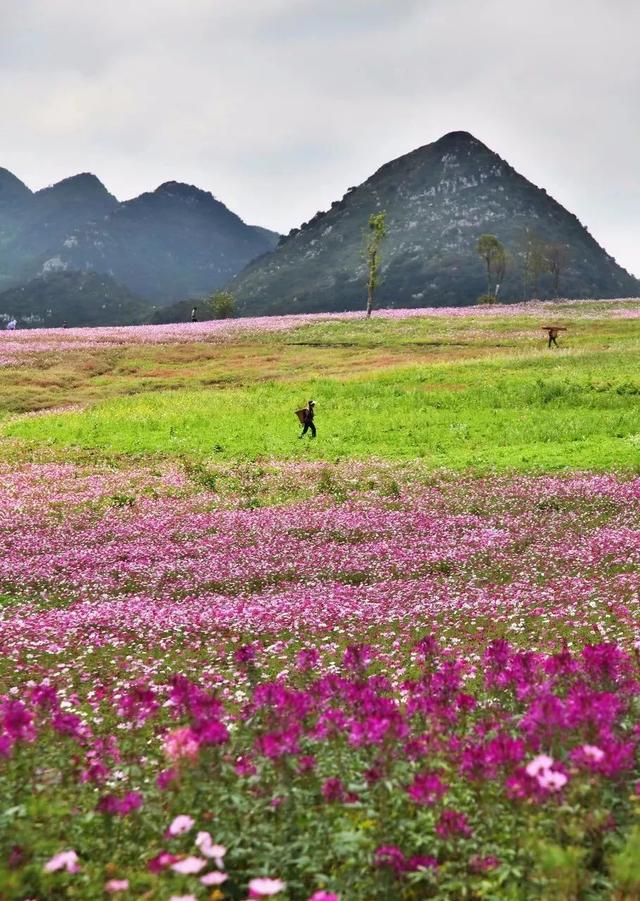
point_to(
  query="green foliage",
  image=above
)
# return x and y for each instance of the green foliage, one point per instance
(223, 305)
(377, 233)
(485, 299)
(560, 871)
(494, 256)
(625, 867)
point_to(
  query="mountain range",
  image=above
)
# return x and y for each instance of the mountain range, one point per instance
(168, 247)
(175, 242)
(438, 200)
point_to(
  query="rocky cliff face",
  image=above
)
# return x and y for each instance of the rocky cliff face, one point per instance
(438, 199)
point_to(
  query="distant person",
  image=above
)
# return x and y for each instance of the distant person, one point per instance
(553, 331)
(64, 324)
(194, 314)
(12, 325)
(307, 419)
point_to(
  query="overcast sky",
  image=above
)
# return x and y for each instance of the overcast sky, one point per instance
(278, 106)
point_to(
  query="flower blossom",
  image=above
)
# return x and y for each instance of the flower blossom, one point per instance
(63, 860)
(180, 824)
(264, 887)
(189, 865)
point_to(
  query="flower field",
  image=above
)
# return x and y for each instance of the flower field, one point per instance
(384, 685)
(399, 662)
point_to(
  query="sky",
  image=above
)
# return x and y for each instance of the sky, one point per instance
(278, 106)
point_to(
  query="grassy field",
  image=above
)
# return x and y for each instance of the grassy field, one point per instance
(455, 393)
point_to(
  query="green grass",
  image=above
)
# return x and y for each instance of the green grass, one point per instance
(525, 410)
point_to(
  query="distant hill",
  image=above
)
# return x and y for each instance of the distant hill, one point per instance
(77, 298)
(439, 199)
(32, 225)
(172, 243)
(169, 244)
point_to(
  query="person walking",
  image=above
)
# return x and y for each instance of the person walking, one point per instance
(307, 419)
(194, 314)
(553, 331)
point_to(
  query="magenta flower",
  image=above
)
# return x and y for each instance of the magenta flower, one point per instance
(451, 824)
(161, 862)
(420, 862)
(246, 654)
(166, 777)
(121, 807)
(321, 895)
(390, 856)
(427, 788)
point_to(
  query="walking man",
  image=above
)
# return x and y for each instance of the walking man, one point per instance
(194, 314)
(307, 419)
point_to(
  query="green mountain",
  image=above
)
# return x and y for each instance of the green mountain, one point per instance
(438, 199)
(74, 298)
(169, 244)
(32, 224)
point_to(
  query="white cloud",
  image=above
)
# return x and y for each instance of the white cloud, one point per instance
(277, 106)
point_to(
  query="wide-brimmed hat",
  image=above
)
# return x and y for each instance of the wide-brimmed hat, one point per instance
(312, 403)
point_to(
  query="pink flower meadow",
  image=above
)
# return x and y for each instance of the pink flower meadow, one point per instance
(389, 694)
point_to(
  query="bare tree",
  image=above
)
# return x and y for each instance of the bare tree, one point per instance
(377, 233)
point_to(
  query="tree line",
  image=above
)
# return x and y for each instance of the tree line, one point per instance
(539, 257)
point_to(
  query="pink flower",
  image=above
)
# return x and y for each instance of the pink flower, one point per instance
(552, 780)
(263, 887)
(538, 765)
(180, 825)
(181, 743)
(189, 865)
(206, 847)
(214, 878)
(161, 861)
(593, 753)
(116, 885)
(183, 898)
(64, 860)
(324, 896)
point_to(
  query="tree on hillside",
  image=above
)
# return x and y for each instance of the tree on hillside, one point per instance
(376, 234)
(557, 259)
(494, 256)
(223, 305)
(534, 264)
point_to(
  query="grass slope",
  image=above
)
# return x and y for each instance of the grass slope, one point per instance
(455, 393)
